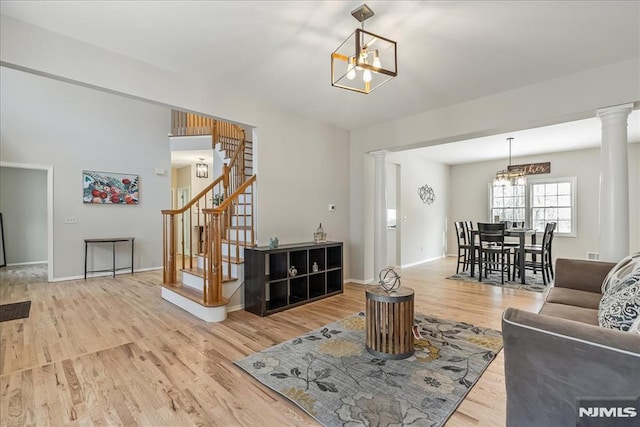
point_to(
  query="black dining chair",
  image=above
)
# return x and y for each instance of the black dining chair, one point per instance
(541, 259)
(464, 249)
(493, 254)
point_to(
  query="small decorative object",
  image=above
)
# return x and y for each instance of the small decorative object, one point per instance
(426, 194)
(314, 267)
(293, 271)
(273, 242)
(320, 236)
(106, 188)
(389, 279)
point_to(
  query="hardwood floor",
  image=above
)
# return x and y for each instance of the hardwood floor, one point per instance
(111, 351)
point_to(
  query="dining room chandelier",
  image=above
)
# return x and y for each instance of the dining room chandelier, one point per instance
(364, 61)
(511, 176)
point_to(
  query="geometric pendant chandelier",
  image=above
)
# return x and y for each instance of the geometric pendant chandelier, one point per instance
(202, 169)
(364, 61)
(511, 176)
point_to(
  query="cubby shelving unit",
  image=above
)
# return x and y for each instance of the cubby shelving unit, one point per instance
(269, 287)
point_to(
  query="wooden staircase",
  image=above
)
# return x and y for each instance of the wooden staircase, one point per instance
(209, 278)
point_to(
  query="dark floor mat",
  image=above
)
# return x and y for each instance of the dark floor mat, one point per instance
(19, 310)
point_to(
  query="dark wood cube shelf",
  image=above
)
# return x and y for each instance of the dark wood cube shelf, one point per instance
(269, 287)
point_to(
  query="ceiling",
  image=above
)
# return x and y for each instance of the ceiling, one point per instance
(279, 51)
(569, 136)
(180, 158)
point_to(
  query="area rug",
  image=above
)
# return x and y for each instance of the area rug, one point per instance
(533, 282)
(18, 310)
(331, 376)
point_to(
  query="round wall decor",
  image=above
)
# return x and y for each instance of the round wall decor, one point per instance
(426, 194)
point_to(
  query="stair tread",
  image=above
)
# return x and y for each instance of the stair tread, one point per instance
(239, 243)
(194, 295)
(232, 260)
(200, 273)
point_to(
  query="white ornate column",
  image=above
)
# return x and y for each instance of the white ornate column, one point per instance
(614, 183)
(379, 213)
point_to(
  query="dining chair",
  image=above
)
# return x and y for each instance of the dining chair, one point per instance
(493, 254)
(463, 247)
(541, 252)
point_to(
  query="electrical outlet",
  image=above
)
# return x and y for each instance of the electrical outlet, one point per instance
(70, 219)
(332, 207)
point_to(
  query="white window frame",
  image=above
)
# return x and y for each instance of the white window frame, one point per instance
(572, 180)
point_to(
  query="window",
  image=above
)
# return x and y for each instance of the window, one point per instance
(508, 203)
(542, 200)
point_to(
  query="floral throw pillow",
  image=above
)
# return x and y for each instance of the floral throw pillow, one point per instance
(635, 328)
(621, 309)
(625, 268)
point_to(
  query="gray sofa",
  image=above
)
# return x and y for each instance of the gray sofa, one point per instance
(561, 354)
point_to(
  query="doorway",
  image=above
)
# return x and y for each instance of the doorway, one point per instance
(45, 224)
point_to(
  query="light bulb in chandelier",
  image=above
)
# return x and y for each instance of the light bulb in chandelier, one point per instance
(376, 60)
(366, 76)
(351, 72)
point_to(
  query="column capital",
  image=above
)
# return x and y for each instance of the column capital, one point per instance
(616, 109)
(379, 153)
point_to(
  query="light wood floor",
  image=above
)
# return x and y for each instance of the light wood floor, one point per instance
(110, 351)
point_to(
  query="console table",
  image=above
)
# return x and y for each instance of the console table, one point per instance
(113, 241)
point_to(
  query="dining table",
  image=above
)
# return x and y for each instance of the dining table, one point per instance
(520, 233)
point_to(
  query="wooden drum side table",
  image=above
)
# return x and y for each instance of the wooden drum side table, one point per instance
(389, 322)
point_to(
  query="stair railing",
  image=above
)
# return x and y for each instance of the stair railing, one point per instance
(228, 193)
(190, 218)
(236, 205)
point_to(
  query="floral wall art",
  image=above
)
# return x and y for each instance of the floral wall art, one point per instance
(110, 188)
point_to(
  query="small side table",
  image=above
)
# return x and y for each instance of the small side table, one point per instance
(389, 322)
(113, 241)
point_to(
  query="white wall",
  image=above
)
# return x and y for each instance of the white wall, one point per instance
(73, 128)
(422, 226)
(563, 99)
(23, 203)
(302, 164)
(469, 182)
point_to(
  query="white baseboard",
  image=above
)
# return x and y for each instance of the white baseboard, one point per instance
(235, 308)
(359, 282)
(104, 273)
(413, 264)
(26, 263)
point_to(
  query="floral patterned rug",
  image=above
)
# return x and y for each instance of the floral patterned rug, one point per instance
(330, 375)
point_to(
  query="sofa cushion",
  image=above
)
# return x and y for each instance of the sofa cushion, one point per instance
(570, 312)
(635, 328)
(574, 297)
(620, 306)
(625, 268)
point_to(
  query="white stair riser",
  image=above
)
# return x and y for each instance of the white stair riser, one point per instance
(234, 269)
(240, 235)
(242, 209)
(231, 249)
(192, 281)
(244, 198)
(208, 314)
(241, 220)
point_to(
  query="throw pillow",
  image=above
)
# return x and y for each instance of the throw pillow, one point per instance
(635, 328)
(625, 268)
(621, 309)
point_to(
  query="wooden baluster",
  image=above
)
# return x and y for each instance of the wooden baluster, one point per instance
(173, 277)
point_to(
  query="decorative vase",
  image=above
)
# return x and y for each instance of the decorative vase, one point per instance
(319, 236)
(273, 243)
(293, 271)
(314, 267)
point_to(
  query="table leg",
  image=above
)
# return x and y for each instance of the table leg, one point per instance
(132, 255)
(473, 259)
(113, 245)
(522, 255)
(85, 260)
